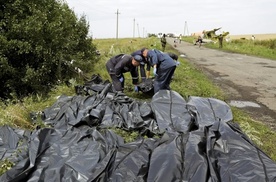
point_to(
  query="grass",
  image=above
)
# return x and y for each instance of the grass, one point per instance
(17, 113)
(262, 135)
(187, 81)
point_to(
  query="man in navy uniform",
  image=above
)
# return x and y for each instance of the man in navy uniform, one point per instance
(143, 73)
(120, 64)
(163, 68)
(146, 73)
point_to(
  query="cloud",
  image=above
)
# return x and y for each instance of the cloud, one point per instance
(235, 16)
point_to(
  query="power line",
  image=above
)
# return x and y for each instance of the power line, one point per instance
(138, 30)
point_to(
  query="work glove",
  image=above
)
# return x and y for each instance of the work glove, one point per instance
(136, 89)
(154, 71)
(121, 79)
(148, 74)
(177, 63)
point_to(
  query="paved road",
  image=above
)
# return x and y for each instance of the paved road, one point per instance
(244, 78)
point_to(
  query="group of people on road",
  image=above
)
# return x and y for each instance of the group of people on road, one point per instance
(163, 64)
(199, 40)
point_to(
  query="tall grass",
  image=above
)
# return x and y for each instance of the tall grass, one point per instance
(17, 113)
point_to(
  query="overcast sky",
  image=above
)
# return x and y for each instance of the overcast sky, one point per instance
(139, 17)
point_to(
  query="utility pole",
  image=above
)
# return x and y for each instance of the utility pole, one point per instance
(138, 30)
(133, 27)
(117, 23)
(186, 28)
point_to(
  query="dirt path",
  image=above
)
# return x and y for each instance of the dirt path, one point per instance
(248, 81)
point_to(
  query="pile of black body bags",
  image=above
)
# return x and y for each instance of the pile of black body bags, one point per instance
(179, 140)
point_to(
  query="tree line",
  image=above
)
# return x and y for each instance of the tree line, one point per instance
(38, 41)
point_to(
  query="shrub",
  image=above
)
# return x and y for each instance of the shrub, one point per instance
(38, 41)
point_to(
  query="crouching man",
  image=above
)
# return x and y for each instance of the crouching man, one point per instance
(120, 64)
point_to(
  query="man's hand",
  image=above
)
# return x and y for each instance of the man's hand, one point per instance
(154, 71)
(148, 74)
(121, 79)
(136, 89)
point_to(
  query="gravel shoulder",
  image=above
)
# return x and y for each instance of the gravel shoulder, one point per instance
(245, 79)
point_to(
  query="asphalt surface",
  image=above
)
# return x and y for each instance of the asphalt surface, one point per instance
(244, 78)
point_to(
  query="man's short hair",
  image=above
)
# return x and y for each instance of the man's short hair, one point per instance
(142, 50)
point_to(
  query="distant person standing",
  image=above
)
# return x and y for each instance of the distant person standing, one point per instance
(175, 42)
(220, 38)
(253, 37)
(163, 42)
